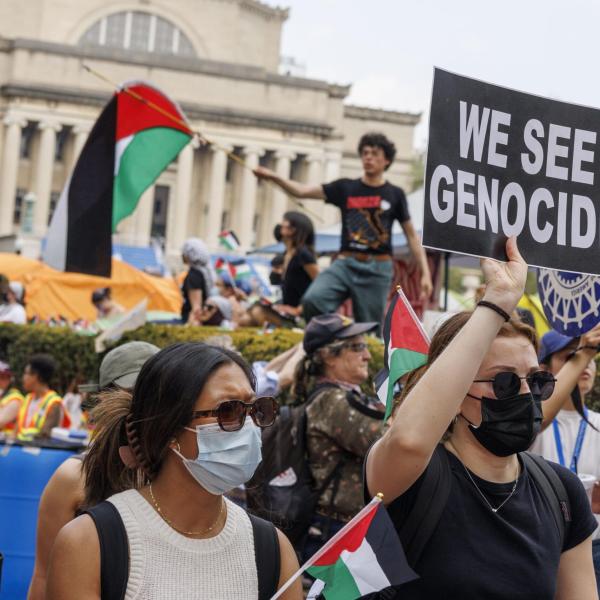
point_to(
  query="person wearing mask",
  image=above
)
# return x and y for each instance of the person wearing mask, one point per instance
(11, 400)
(64, 495)
(369, 206)
(12, 309)
(188, 433)
(198, 281)
(474, 407)
(573, 437)
(342, 422)
(43, 408)
(106, 307)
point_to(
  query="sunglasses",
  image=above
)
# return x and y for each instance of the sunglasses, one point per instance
(506, 384)
(357, 346)
(231, 414)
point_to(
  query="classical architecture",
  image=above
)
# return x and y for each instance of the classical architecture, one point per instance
(220, 59)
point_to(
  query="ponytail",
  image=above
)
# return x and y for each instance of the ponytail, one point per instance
(104, 471)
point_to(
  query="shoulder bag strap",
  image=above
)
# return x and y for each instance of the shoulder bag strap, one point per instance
(428, 506)
(114, 550)
(549, 483)
(268, 556)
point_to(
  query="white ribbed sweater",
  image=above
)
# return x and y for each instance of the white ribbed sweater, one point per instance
(165, 565)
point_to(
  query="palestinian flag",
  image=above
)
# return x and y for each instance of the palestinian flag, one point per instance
(222, 267)
(364, 557)
(229, 240)
(406, 347)
(240, 270)
(138, 134)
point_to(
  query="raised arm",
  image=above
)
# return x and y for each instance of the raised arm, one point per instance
(402, 454)
(308, 191)
(420, 256)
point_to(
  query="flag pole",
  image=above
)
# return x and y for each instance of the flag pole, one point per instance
(329, 544)
(182, 123)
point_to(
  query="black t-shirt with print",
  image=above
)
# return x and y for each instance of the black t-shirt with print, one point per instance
(509, 555)
(296, 280)
(194, 280)
(367, 213)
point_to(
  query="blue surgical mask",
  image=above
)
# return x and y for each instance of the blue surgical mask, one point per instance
(226, 459)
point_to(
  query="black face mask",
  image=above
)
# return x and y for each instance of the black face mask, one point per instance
(275, 278)
(509, 425)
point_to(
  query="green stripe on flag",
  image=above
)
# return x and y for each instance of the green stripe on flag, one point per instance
(145, 158)
(339, 583)
(401, 362)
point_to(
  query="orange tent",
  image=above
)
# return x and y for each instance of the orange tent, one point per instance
(50, 293)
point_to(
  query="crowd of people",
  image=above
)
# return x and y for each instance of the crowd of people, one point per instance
(158, 504)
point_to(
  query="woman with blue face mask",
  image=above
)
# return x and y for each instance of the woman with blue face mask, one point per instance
(189, 433)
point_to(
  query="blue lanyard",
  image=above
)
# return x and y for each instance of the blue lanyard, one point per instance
(578, 442)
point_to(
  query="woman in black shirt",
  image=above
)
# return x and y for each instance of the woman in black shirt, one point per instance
(480, 393)
(198, 281)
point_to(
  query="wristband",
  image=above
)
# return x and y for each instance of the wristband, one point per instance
(495, 308)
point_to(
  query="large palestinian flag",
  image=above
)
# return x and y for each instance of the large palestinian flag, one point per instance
(138, 134)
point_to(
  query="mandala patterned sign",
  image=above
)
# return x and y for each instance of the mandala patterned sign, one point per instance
(570, 300)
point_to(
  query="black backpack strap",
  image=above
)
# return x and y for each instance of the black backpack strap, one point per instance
(268, 556)
(429, 504)
(549, 483)
(114, 550)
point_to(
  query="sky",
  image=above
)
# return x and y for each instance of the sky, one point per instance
(387, 48)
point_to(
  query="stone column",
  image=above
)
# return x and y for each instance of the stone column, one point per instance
(143, 217)
(246, 207)
(216, 195)
(10, 165)
(179, 206)
(43, 175)
(283, 161)
(81, 133)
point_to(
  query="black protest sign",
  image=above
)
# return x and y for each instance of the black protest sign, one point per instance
(503, 163)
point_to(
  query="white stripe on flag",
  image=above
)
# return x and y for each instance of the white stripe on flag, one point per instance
(365, 569)
(382, 391)
(120, 150)
(55, 251)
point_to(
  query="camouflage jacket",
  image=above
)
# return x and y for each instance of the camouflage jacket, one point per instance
(341, 426)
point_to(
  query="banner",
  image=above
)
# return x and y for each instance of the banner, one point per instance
(503, 163)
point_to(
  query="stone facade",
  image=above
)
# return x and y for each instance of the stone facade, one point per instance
(219, 59)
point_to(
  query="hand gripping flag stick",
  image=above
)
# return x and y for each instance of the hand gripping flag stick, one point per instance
(201, 138)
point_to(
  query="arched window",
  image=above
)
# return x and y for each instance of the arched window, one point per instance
(141, 31)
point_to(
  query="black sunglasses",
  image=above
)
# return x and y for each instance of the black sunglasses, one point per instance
(506, 384)
(231, 414)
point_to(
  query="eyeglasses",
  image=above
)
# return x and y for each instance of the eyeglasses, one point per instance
(507, 383)
(357, 346)
(231, 414)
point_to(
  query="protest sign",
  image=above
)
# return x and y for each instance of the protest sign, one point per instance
(571, 301)
(503, 163)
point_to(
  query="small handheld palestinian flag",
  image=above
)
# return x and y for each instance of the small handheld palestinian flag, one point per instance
(364, 557)
(137, 135)
(406, 346)
(229, 240)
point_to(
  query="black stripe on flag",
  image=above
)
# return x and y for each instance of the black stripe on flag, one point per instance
(387, 326)
(90, 199)
(385, 543)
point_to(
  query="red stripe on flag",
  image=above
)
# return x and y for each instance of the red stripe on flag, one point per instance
(405, 330)
(134, 115)
(350, 542)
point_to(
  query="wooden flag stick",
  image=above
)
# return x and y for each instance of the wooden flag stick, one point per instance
(197, 134)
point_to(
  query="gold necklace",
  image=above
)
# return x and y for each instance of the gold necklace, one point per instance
(170, 523)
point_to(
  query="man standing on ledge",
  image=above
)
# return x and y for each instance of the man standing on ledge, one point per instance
(369, 206)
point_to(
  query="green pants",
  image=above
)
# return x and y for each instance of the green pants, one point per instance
(367, 283)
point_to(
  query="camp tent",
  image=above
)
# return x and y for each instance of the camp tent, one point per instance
(50, 293)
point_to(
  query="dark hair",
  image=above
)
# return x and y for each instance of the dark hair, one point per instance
(43, 366)
(100, 294)
(304, 231)
(162, 403)
(447, 332)
(378, 140)
(277, 260)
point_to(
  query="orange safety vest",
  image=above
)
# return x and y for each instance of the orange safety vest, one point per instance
(50, 399)
(11, 395)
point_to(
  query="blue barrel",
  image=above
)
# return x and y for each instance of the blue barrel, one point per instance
(24, 472)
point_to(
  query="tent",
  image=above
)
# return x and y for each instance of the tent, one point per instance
(50, 293)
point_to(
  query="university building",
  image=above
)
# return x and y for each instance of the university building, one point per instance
(220, 60)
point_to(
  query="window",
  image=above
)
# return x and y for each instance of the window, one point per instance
(18, 211)
(61, 140)
(160, 211)
(54, 197)
(139, 31)
(27, 213)
(26, 139)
